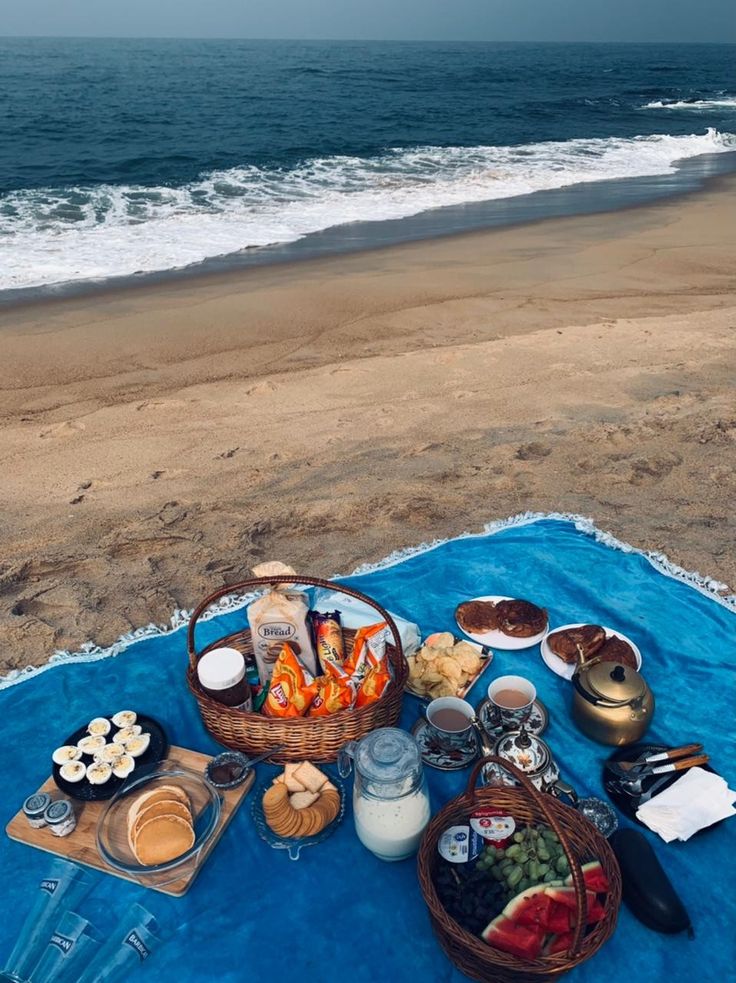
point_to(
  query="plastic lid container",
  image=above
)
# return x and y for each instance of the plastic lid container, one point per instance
(36, 805)
(58, 812)
(221, 668)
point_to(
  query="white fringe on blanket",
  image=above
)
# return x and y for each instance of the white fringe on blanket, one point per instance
(233, 602)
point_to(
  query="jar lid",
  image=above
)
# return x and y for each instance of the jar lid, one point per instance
(36, 804)
(221, 668)
(58, 811)
(524, 750)
(615, 682)
(388, 756)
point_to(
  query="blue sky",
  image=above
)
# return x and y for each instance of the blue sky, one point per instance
(501, 20)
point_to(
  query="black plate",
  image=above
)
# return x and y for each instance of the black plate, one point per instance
(628, 804)
(84, 791)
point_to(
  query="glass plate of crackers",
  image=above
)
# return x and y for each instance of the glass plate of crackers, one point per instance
(295, 844)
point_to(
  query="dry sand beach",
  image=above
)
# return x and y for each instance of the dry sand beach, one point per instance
(159, 440)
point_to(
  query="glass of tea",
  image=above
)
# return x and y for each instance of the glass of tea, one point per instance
(511, 699)
(450, 719)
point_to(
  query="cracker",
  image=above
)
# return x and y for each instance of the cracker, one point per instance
(310, 777)
(300, 800)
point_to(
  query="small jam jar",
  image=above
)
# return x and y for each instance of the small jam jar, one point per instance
(34, 808)
(221, 674)
(60, 817)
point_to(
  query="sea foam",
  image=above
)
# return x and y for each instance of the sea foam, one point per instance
(57, 235)
(724, 102)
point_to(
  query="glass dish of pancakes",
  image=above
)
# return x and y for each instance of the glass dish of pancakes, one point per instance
(502, 622)
(158, 823)
(587, 641)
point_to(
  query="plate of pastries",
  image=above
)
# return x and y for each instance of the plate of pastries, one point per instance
(565, 648)
(509, 623)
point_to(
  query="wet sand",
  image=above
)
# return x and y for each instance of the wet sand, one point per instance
(159, 440)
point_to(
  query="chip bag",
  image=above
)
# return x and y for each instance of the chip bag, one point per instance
(334, 693)
(374, 683)
(369, 649)
(292, 689)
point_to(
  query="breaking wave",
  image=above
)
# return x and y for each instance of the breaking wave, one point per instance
(57, 235)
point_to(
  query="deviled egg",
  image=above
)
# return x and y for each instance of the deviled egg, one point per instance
(110, 753)
(123, 766)
(91, 743)
(124, 735)
(99, 727)
(137, 745)
(98, 773)
(63, 755)
(124, 718)
(73, 771)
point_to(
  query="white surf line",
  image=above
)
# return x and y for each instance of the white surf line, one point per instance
(90, 652)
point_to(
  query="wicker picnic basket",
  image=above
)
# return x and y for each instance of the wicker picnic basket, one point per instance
(313, 738)
(581, 842)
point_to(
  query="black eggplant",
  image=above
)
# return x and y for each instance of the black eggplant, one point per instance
(647, 889)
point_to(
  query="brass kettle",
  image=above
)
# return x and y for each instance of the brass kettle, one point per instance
(611, 702)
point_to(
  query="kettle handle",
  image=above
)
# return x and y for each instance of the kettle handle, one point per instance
(542, 801)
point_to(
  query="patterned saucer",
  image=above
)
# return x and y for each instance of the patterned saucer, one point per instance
(537, 723)
(436, 755)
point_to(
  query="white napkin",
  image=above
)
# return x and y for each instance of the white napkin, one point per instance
(693, 802)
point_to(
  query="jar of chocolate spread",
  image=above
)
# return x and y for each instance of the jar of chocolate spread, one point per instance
(221, 674)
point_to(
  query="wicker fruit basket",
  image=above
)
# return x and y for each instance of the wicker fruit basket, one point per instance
(314, 738)
(580, 840)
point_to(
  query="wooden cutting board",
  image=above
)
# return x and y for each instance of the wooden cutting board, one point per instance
(81, 845)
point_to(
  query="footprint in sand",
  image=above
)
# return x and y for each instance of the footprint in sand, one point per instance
(533, 452)
(231, 453)
(261, 388)
(66, 429)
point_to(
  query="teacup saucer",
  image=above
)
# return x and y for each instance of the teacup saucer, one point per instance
(537, 723)
(437, 756)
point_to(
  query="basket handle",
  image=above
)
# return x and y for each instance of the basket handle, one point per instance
(256, 582)
(541, 800)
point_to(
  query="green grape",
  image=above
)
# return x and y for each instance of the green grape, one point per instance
(533, 871)
(543, 853)
(561, 865)
(522, 857)
(497, 874)
(506, 863)
(513, 851)
(549, 876)
(524, 883)
(542, 870)
(500, 853)
(518, 837)
(514, 877)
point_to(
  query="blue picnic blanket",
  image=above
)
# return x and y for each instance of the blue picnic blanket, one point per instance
(339, 913)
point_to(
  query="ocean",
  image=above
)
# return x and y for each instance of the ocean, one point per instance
(122, 158)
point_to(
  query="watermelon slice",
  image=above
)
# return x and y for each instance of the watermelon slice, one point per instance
(565, 898)
(559, 918)
(558, 943)
(595, 879)
(531, 907)
(518, 940)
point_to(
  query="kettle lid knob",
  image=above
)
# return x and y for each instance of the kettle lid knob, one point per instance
(618, 674)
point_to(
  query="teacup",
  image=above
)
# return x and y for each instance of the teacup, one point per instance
(504, 715)
(450, 719)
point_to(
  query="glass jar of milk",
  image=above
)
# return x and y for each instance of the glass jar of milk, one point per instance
(390, 798)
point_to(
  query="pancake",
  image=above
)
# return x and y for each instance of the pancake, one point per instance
(162, 839)
(521, 619)
(574, 645)
(617, 650)
(477, 617)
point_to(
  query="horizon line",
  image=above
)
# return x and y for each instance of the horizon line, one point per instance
(195, 37)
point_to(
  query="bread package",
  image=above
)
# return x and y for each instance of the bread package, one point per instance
(281, 615)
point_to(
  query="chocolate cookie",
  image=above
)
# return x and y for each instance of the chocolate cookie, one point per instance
(617, 650)
(521, 619)
(477, 617)
(574, 645)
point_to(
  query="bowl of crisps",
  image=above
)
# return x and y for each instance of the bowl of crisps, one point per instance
(446, 666)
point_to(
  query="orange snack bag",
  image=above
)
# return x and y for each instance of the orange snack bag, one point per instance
(334, 693)
(374, 683)
(292, 689)
(369, 649)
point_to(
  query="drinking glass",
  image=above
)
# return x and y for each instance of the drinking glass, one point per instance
(64, 887)
(70, 947)
(135, 936)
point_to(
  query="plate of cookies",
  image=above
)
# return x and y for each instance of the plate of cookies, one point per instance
(302, 806)
(446, 666)
(509, 623)
(564, 648)
(157, 824)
